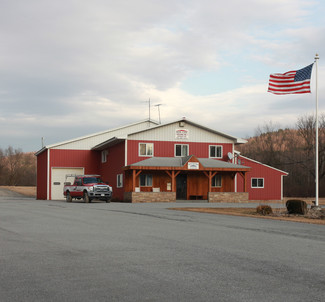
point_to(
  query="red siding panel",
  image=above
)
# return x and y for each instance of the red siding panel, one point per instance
(272, 181)
(113, 167)
(167, 149)
(76, 158)
(41, 188)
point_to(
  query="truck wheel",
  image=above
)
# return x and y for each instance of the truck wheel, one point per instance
(68, 197)
(86, 198)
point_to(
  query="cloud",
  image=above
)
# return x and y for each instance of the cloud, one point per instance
(88, 66)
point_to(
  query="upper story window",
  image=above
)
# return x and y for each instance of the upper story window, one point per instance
(181, 150)
(104, 156)
(215, 151)
(257, 182)
(146, 149)
(217, 181)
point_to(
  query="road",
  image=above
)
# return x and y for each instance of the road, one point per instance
(58, 251)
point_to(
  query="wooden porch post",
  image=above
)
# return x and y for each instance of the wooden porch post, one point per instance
(135, 174)
(173, 175)
(210, 176)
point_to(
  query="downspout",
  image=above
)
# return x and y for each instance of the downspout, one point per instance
(126, 152)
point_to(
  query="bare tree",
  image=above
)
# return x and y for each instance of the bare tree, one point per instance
(14, 162)
(291, 150)
(17, 168)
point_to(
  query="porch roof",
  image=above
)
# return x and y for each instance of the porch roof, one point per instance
(179, 162)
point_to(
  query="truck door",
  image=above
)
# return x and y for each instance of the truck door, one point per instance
(76, 188)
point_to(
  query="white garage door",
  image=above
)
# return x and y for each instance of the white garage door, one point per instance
(58, 179)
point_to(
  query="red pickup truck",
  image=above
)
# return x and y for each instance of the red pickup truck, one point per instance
(87, 187)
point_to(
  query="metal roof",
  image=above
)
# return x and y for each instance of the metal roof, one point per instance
(109, 143)
(125, 127)
(181, 161)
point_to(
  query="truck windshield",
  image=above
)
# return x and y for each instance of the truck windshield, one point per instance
(92, 180)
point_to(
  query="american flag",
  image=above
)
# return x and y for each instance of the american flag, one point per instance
(296, 81)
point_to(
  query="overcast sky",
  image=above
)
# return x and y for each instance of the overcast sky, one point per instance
(71, 68)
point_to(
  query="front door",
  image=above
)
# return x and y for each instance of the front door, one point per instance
(181, 186)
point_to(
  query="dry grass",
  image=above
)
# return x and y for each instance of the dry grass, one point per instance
(27, 191)
(279, 214)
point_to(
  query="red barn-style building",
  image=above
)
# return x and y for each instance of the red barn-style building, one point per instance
(151, 162)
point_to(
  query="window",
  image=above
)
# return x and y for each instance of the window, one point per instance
(181, 150)
(119, 182)
(145, 180)
(215, 152)
(145, 149)
(216, 181)
(92, 180)
(104, 156)
(257, 182)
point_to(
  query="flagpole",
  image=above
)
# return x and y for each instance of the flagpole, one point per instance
(316, 161)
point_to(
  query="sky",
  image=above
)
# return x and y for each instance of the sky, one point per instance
(72, 68)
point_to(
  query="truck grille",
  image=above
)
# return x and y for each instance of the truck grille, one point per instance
(101, 189)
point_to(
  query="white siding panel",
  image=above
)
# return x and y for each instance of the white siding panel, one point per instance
(88, 142)
(168, 133)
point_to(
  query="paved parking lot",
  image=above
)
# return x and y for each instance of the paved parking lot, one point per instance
(58, 251)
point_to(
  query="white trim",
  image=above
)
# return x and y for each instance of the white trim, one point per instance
(126, 152)
(258, 187)
(146, 155)
(236, 184)
(216, 152)
(48, 176)
(121, 180)
(188, 149)
(104, 154)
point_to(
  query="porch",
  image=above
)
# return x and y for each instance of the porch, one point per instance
(185, 178)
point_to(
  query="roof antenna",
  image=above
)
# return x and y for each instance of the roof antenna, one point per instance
(158, 105)
(149, 112)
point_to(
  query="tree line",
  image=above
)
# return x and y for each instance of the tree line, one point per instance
(17, 168)
(293, 151)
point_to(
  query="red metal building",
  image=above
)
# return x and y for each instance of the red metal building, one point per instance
(147, 162)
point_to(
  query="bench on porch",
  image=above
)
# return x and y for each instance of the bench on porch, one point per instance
(196, 197)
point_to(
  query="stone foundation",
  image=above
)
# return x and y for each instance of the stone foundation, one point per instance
(227, 197)
(135, 197)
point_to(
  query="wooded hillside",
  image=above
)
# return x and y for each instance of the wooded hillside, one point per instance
(293, 151)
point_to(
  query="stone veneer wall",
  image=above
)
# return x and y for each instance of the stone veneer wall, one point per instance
(149, 197)
(227, 197)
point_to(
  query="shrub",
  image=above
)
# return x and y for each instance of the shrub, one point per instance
(296, 206)
(264, 210)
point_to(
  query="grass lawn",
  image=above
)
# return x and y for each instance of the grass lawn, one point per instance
(278, 214)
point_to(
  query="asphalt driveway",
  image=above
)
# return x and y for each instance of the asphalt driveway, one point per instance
(58, 251)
